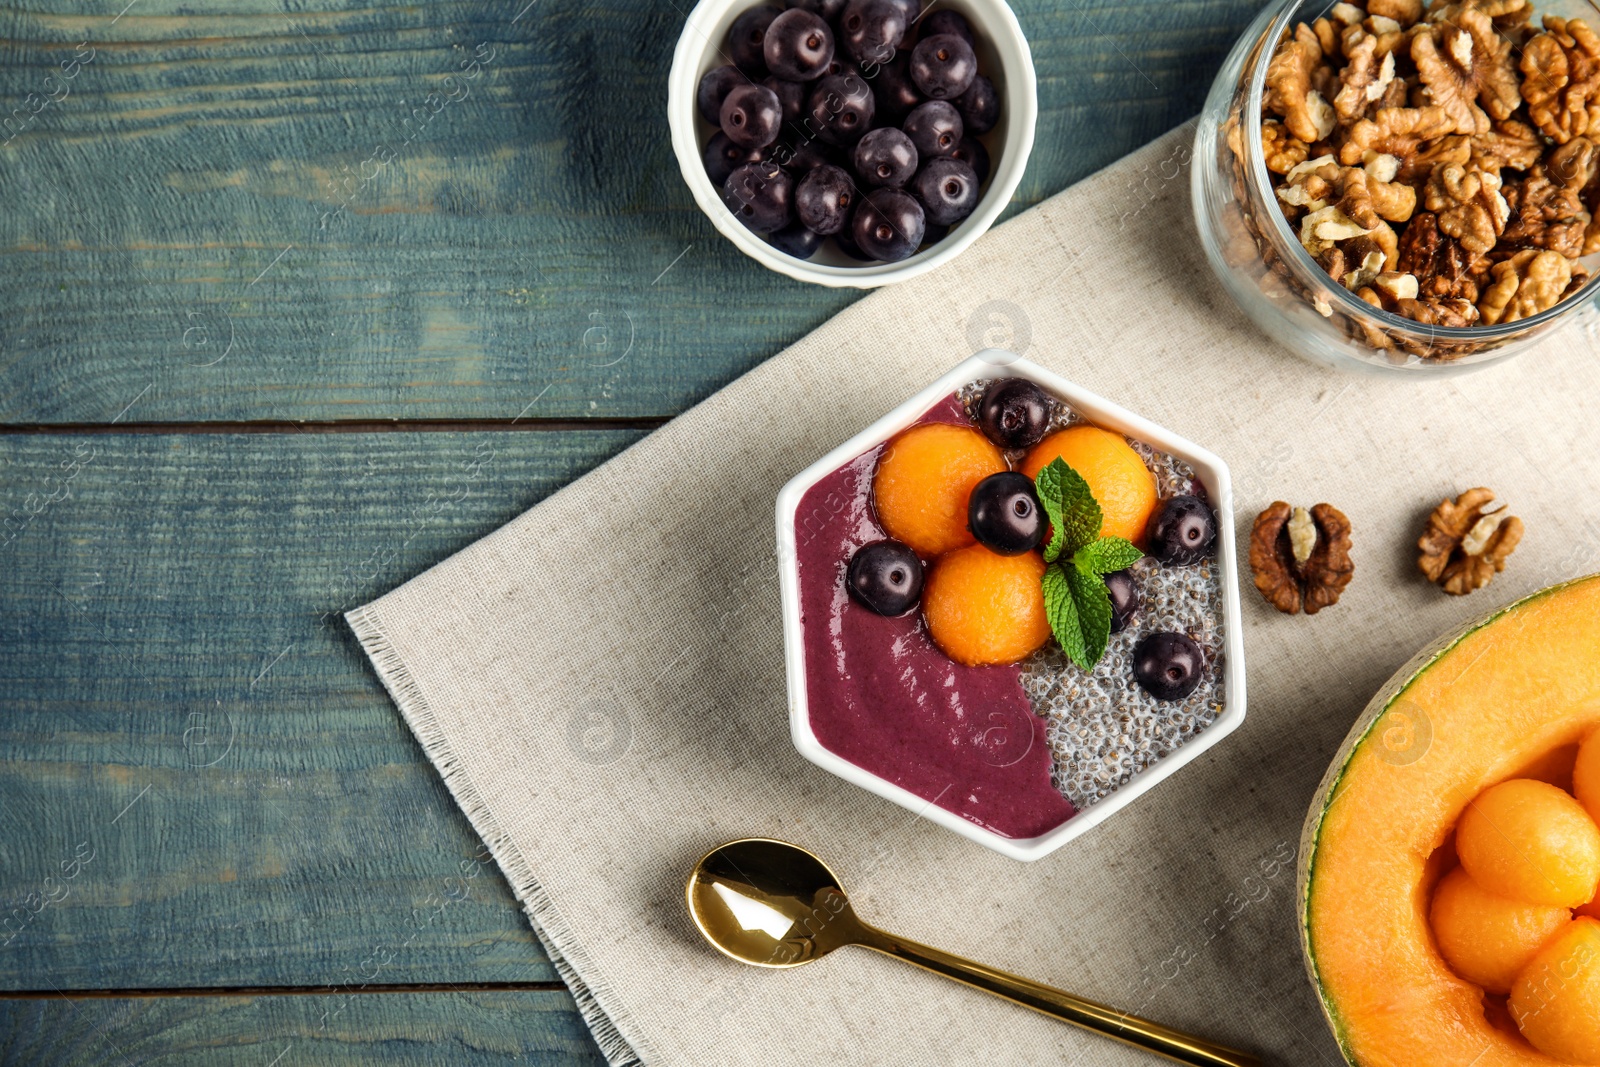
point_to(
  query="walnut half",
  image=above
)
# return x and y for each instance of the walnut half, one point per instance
(1300, 558)
(1465, 543)
(1524, 285)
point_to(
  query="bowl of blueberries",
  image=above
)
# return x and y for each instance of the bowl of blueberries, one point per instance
(852, 142)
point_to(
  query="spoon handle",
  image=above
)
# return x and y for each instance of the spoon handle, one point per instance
(1131, 1029)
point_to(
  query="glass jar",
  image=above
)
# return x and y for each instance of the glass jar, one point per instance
(1259, 258)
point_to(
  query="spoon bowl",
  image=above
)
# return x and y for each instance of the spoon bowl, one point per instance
(773, 904)
(770, 904)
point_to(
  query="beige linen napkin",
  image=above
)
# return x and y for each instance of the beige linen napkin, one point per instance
(601, 681)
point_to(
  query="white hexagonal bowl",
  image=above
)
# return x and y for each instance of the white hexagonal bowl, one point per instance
(1211, 471)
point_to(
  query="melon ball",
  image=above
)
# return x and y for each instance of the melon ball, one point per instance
(1122, 485)
(1488, 939)
(1531, 842)
(1586, 775)
(983, 608)
(923, 481)
(1556, 998)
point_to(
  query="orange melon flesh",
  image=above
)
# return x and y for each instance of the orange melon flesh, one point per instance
(1495, 700)
(1585, 779)
(1586, 774)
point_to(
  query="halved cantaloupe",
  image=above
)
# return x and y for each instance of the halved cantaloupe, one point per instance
(1471, 711)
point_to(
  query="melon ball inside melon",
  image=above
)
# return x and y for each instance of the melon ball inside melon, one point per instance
(1531, 842)
(1488, 939)
(1556, 998)
(1586, 775)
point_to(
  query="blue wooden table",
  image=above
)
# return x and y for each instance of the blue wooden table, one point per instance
(284, 319)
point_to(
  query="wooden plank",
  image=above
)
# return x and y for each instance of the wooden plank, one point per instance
(338, 1030)
(201, 781)
(228, 212)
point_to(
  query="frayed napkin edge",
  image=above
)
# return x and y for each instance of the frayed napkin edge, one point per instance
(571, 960)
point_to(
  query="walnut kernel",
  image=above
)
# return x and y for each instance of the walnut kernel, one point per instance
(1561, 78)
(1469, 205)
(1365, 78)
(1301, 559)
(1406, 12)
(1524, 285)
(1289, 88)
(1466, 68)
(1465, 544)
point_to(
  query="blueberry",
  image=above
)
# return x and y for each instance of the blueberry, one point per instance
(893, 90)
(885, 157)
(798, 45)
(761, 195)
(841, 65)
(1013, 412)
(714, 86)
(1004, 514)
(798, 161)
(842, 241)
(826, 198)
(828, 9)
(979, 106)
(1168, 666)
(751, 115)
(797, 241)
(841, 109)
(971, 152)
(944, 66)
(791, 96)
(746, 37)
(1182, 530)
(1124, 599)
(946, 21)
(911, 11)
(888, 225)
(947, 189)
(722, 157)
(885, 577)
(871, 29)
(934, 127)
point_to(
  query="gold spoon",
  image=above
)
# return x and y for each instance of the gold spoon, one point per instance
(773, 904)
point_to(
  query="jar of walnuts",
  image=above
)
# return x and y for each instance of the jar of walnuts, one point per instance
(1405, 184)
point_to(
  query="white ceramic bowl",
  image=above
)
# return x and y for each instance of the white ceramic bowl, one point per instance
(1211, 471)
(1003, 57)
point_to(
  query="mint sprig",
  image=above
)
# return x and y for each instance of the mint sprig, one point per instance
(1075, 598)
(1070, 506)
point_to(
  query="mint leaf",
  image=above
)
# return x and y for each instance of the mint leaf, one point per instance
(1062, 611)
(1106, 555)
(1076, 601)
(1079, 609)
(1074, 514)
(1047, 487)
(1093, 601)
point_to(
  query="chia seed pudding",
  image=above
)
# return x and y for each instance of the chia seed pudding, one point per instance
(1020, 746)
